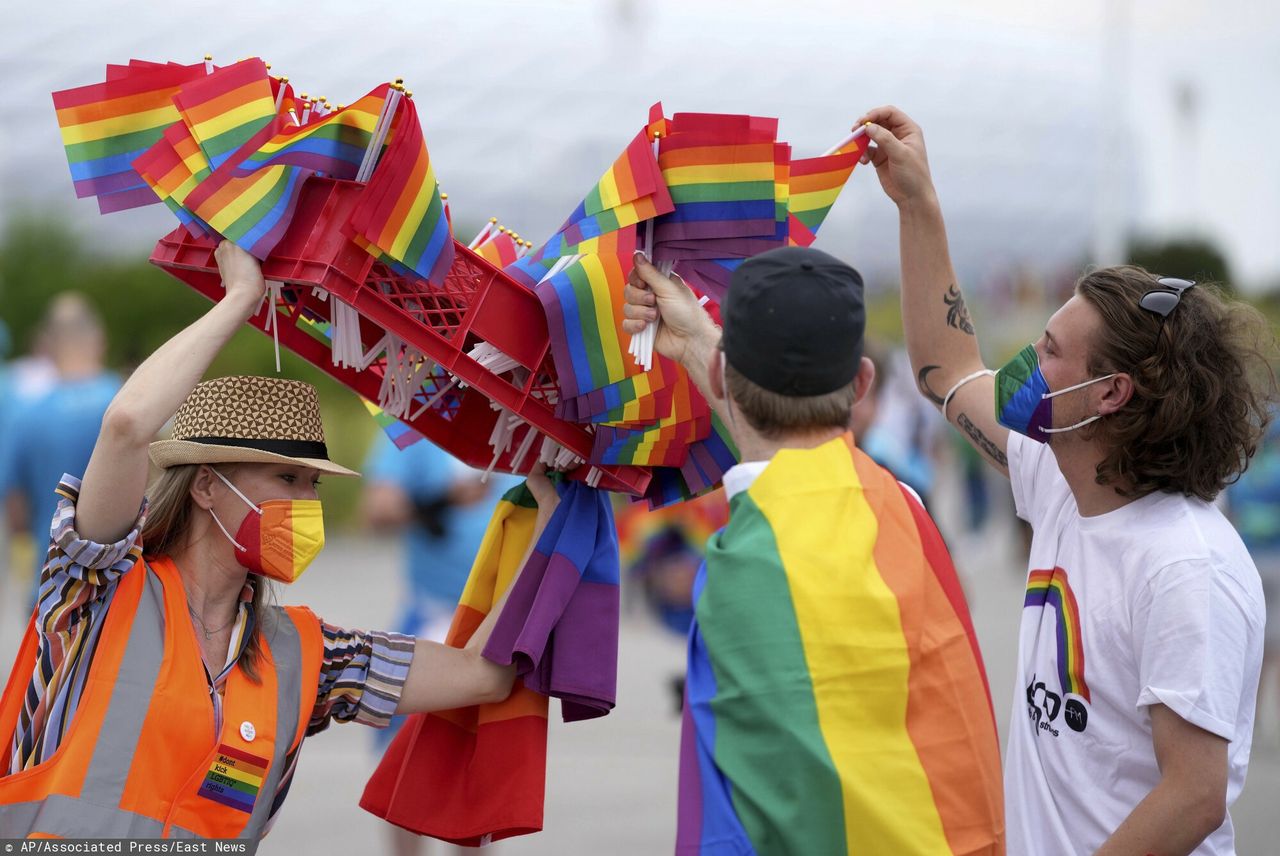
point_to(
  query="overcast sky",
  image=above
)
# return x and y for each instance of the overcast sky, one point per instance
(1052, 127)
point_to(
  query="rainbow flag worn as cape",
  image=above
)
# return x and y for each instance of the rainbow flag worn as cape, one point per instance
(836, 701)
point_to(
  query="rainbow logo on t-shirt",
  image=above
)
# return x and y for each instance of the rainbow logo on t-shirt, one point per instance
(1051, 589)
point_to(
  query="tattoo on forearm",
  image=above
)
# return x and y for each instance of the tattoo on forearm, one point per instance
(982, 441)
(957, 312)
(922, 381)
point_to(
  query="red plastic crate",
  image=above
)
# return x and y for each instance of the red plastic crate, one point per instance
(477, 302)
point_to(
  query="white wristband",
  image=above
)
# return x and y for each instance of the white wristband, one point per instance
(951, 393)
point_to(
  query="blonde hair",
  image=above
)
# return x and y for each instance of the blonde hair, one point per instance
(169, 515)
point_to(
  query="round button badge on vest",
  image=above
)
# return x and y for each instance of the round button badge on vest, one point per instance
(247, 731)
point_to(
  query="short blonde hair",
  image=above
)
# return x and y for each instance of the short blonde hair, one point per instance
(773, 415)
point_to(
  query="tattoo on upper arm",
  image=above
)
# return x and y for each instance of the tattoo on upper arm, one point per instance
(922, 381)
(957, 312)
(982, 441)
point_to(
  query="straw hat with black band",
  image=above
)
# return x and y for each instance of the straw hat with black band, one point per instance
(246, 419)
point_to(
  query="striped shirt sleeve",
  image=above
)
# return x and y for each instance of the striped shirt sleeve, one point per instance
(362, 677)
(78, 572)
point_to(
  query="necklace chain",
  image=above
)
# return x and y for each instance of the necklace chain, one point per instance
(208, 634)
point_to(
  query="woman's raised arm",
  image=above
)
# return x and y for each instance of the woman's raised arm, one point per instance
(116, 478)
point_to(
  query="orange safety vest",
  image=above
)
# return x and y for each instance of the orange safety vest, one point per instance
(140, 758)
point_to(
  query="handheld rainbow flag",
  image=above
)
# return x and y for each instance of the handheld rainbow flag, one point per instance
(817, 182)
(486, 763)
(560, 628)
(805, 732)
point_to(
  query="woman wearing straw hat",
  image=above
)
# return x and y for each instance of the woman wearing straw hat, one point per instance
(156, 693)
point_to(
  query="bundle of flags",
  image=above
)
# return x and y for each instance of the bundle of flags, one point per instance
(228, 149)
(713, 190)
(478, 774)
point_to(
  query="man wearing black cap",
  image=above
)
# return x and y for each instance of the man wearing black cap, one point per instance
(836, 701)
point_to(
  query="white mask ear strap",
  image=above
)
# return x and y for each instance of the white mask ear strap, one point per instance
(1080, 424)
(225, 532)
(1080, 385)
(237, 492)
(951, 392)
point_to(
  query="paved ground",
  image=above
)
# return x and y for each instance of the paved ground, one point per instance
(611, 782)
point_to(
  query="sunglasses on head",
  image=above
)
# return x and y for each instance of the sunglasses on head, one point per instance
(1164, 299)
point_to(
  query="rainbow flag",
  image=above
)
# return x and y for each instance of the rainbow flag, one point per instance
(397, 432)
(631, 190)
(224, 110)
(401, 213)
(583, 304)
(333, 144)
(560, 624)
(484, 765)
(499, 250)
(172, 168)
(254, 210)
(817, 182)
(808, 732)
(666, 442)
(106, 125)
(721, 172)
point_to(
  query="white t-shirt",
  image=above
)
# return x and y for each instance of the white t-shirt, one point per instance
(1156, 602)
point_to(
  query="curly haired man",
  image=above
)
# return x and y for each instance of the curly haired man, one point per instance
(1141, 633)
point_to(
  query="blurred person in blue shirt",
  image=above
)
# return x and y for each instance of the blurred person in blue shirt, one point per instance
(443, 508)
(51, 431)
(1254, 505)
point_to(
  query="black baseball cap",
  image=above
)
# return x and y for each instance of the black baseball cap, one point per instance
(794, 320)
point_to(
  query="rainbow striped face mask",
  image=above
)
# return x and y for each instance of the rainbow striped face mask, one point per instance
(279, 538)
(1024, 402)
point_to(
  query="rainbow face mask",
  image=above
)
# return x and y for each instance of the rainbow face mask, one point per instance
(1023, 401)
(278, 539)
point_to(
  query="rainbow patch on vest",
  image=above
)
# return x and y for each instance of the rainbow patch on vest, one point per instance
(234, 778)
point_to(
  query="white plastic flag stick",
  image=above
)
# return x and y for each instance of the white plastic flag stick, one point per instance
(371, 152)
(484, 479)
(208, 64)
(644, 346)
(483, 234)
(525, 446)
(272, 322)
(369, 356)
(860, 131)
(430, 402)
(306, 109)
(380, 135)
(284, 82)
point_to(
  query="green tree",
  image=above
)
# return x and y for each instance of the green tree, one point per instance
(142, 307)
